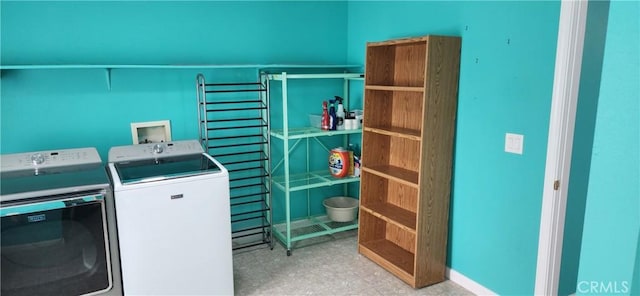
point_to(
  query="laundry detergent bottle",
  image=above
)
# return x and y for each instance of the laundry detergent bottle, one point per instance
(339, 162)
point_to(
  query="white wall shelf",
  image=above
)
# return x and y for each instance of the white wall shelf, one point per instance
(108, 68)
(173, 66)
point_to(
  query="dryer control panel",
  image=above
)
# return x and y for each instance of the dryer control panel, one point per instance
(154, 150)
(49, 159)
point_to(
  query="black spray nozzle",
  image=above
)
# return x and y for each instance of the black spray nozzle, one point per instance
(339, 99)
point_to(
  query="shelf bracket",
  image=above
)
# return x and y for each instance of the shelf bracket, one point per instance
(108, 76)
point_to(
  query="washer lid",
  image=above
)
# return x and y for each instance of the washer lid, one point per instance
(150, 170)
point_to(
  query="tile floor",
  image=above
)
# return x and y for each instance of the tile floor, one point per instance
(330, 266)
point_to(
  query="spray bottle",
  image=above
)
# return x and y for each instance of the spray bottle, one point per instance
(324, 122)
(340, 114)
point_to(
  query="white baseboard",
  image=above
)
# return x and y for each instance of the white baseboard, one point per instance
(467, 283)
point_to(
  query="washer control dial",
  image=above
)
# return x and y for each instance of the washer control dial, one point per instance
(158, 148)
(37, 158)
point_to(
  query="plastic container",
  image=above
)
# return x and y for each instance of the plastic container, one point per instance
(315, 120)
(341, 208)
(359, 117)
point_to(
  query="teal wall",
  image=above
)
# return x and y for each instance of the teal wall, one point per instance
(610, 247)
(588, 94)
(55, 109)
(172, 32)
(506, 78)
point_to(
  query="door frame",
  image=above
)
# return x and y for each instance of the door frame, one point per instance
(571, 31)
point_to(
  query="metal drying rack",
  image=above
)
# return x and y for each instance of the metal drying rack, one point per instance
(233, 124)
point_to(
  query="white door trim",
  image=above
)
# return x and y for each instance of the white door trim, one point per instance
(571, 31)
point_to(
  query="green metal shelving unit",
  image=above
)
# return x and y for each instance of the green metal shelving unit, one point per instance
(291, 231)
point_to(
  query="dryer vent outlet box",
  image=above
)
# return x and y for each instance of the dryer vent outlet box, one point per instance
(151, 132)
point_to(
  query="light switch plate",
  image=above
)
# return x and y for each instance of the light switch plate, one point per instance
(513, 143)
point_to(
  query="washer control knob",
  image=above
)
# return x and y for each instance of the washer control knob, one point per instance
(37, 158)
(158, 148)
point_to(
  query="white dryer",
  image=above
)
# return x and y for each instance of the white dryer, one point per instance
(173, 213)
(59, 233)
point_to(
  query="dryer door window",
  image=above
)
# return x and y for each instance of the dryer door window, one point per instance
(55, 247)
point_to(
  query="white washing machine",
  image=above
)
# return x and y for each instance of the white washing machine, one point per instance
(174, 225)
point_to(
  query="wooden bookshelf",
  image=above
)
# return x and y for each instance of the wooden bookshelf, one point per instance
(411, 89)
